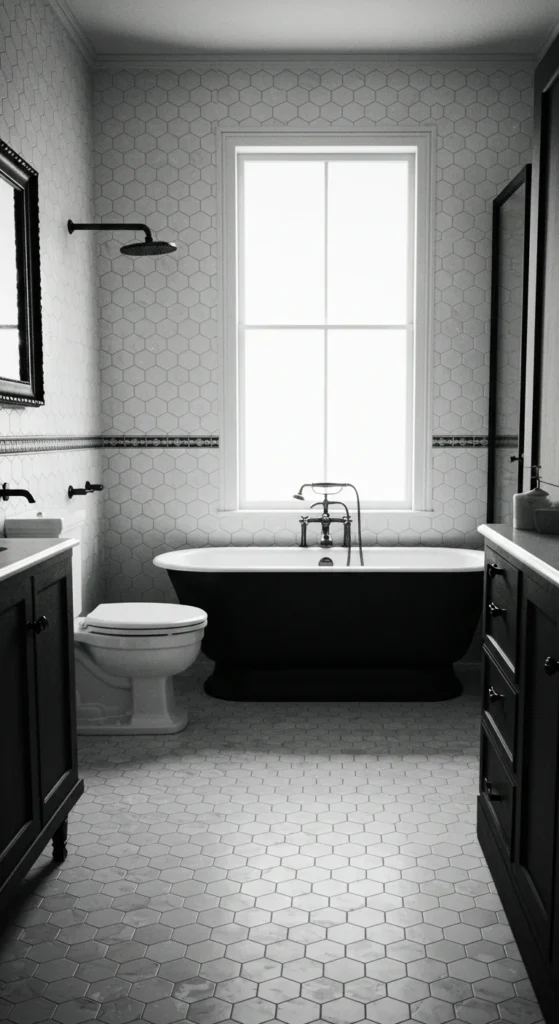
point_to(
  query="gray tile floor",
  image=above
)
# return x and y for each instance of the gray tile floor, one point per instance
(273, 862)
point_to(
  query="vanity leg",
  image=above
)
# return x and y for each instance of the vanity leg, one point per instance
(59, 848)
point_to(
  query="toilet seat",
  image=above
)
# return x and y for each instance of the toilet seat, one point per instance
(137, 641)
(142, 619)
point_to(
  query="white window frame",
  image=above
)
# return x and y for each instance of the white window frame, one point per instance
(231, 143)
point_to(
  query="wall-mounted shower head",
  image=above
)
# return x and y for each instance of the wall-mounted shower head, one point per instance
(149, 247)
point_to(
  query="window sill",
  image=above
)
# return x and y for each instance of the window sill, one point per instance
(264, 513)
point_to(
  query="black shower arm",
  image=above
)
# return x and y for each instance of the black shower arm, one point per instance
(110, 227)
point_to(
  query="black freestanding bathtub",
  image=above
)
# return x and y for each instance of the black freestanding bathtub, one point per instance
(281, 627)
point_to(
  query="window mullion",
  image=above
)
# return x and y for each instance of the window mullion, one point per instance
(326, 320)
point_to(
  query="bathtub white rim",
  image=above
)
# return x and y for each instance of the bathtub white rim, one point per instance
(171, 560)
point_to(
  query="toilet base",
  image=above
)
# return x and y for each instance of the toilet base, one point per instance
(154, 712)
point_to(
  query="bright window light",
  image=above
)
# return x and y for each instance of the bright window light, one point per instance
(282, 394)
(283, 242)
(325, 323)
(368, 241)
(367, 403)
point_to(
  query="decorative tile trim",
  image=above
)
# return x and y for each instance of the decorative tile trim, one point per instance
(22, 445)
(506, 441)
(161, 441)
(460, 441)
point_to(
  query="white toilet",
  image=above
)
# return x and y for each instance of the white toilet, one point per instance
(126, 653)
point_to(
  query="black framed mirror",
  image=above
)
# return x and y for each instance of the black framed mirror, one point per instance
(507, 360)
(21, 343)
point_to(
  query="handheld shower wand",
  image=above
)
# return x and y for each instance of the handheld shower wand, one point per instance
(327, 487)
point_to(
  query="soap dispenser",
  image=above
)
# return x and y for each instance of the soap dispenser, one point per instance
(525, 504)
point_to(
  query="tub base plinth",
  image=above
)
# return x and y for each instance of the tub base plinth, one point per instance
(375, 684)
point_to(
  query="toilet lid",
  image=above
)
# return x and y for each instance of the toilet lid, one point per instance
(144, 615)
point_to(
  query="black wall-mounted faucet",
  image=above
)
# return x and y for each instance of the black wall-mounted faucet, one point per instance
(8, 492)
(88, 489)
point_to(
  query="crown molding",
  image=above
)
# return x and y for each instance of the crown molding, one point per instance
(304, 61)
(549, 41)
(68, 19)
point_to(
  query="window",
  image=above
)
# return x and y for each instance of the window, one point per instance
(325, 339)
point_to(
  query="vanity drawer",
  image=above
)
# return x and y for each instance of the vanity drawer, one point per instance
(499, 703)
(497, 789)
(501, 591)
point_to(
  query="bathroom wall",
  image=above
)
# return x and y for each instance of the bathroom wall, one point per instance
(46, 117)
(155, 158)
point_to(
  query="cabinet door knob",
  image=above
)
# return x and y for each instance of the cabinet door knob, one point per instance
(551, 666)
(494, 610)
(494, 570)
(494, 694)
(490, 792)
(39, 625)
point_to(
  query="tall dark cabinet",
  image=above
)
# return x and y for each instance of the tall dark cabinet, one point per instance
(518, 806)
(20, 820)
(38, 757)
(509, 287)
(542, 363)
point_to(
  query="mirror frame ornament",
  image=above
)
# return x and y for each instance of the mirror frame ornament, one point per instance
(25, 181)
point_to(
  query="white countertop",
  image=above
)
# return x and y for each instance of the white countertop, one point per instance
(18, 553)
(538, 551)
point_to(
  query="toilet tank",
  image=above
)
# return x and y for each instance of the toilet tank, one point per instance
(47, 523)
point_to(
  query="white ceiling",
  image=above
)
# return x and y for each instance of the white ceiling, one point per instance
(316, 26)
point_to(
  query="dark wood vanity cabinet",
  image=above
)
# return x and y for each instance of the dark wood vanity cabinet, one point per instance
(38, 761)
(518, 804)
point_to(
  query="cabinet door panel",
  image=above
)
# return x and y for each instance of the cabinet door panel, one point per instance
(20, 817)
(55, 685)
(499, 703)
(497, 788)
(501, 594)
(539, 757)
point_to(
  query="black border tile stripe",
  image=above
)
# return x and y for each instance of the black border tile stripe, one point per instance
(153, 441)
(62, 443)
(460, 441)
(23, 445)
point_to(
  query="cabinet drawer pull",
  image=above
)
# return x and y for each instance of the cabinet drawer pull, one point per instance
(551, 666)
(495, 570)
(494, 694)
(489, 791)
(494, 610)
(39, 625)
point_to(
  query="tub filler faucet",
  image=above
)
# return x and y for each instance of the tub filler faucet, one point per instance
(326, 520)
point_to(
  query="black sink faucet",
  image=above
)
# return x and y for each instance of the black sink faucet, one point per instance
(9, 492)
